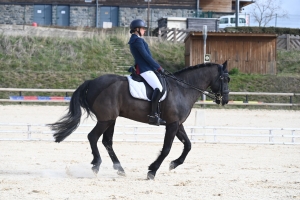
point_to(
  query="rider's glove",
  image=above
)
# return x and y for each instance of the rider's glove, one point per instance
(161, 70)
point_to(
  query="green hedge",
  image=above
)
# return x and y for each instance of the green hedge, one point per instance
(275, 30)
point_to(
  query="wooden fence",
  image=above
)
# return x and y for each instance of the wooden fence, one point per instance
(68, 93)
(287, 42)
(173, 34)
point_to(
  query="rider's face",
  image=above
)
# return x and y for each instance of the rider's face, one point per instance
(142, 31)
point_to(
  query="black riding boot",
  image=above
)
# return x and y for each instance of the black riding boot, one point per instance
(154, 118)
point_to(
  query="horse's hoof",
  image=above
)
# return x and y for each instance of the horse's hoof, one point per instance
(95, 169)
(150, 175)
(172, 166)
(121, 173)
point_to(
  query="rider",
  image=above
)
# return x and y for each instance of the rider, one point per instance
(145, 66)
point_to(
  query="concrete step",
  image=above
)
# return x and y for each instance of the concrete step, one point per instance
(125, 62)
(119, 71)
(122, 67)
(120, 63)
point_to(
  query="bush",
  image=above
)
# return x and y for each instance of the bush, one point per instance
(234, 71)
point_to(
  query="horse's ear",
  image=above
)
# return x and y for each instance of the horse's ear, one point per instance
(224, 65)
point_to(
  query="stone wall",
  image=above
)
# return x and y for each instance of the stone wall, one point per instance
(86, 15)
(54, 11)
(83, 16)
(126, 15)
(16, 14)
(79, 16)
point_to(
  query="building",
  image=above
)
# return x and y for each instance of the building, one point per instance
(248, 52)
(115, 12)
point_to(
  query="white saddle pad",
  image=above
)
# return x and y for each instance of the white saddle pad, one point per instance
(138, 90)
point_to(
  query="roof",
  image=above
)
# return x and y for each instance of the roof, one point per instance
(173, 18)
(244, 3)
(229, 34)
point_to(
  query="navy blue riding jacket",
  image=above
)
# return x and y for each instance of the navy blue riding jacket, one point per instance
(142, 56)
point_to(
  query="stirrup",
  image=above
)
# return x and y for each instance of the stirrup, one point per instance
(156, 120)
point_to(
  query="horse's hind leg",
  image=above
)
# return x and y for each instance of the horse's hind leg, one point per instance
(171, 131)
(107, 141)
(182, 136)
(93, 137)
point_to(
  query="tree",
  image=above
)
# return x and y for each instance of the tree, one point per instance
(266, 10)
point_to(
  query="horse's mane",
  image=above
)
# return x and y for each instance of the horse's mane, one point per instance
(194, 67)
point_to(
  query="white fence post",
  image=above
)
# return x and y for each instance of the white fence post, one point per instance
(271, 136)
(192, 133)
(29, 132)
(135, 133)
(215, 135)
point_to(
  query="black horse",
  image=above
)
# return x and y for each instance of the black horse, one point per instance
(108, 97)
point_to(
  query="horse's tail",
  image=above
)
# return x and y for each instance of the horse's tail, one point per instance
(69, 123)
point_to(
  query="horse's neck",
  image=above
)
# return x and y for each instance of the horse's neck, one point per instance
(200, 78)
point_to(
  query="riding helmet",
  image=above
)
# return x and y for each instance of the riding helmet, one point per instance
(137, 23)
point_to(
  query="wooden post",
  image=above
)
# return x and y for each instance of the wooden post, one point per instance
(288, 42)
(204, 32)
(24, 21)
(166, 33)
(159, 34)
(148, 18)
(175, 35)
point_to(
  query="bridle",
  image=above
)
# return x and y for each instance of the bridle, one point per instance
(222, 90)
(217, 97)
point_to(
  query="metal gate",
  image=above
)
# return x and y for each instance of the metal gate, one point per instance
(63, 15)
(43, 14)
(110, 15)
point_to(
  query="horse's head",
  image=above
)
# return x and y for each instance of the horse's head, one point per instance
(220, 85)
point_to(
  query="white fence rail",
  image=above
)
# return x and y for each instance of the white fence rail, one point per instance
(147, 133)
(246, 102)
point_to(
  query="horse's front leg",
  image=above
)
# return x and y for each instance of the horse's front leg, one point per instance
(171, 130)
(182, 136)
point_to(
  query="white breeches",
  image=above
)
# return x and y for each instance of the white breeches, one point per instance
(152, 80)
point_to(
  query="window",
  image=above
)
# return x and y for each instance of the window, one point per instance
(242, 20)
(224, 21)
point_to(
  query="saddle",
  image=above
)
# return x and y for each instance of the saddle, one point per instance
(140, 89)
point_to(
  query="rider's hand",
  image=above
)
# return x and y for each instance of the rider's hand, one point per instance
(161, 70)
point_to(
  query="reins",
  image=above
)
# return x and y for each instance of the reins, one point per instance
(207, 93)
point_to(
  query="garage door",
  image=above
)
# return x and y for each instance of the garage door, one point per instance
(43, 15)
(63, 15)
(109, 14)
